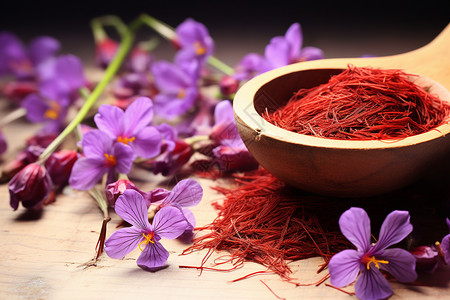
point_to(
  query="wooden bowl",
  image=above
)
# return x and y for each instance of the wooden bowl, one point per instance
(338, 168)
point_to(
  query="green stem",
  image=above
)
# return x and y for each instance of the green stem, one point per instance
(169, 33)
(97, 25)
(110, 71)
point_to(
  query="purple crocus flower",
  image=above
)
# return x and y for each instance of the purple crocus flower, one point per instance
(101, 156)
(60, 80)
(177, 87)
(131, 127)
(186, 193)
(281, 51)
(195, 42)
(16, 59)
(168, 223)
(367, 260)
(445, 245)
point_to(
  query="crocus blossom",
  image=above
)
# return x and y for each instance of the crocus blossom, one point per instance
(281, 51)
(21, 61)
(131, 127)
(30, 186)
(368, 260)
(101, 155)
(168, 223)
(60, 80)
(195, 42)
(177, 87)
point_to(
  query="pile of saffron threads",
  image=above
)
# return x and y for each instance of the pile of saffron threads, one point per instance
(264, 221)
(362, 104)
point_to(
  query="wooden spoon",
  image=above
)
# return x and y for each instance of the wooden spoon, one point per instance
(343, 168)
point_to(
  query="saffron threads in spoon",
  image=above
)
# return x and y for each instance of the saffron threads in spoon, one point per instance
(264, 221)
(362, 104)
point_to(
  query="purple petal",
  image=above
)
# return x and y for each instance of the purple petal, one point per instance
(344, 267)
(56, 90)
(122, 242)
(277, 52)
(125, 157)
(153, 256)
(96, 143)
(371, 284)
(395, 228)
(169, 222)
(86, 172)
(36, 108)
(12, 50)
(223, 112)
(147, 143)
(355, 226)
(402, 264)
(250, 65)
(448, 223)
(186, 193)
(3, 144)
(295, 39)
(169, 77)
(311, 53)
(137, 116)
(132, 208)
(170, 106)
(42, 48)
(108, 119)
(70, 69)
(190, 218)
(445, 246)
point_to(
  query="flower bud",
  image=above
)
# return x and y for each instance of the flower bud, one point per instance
(426, 258)
(105, 51)
(31, 186)
(116, 189)
(228, 85)
(22, 159)
(3, 144)
(59, 166)
(170, 162)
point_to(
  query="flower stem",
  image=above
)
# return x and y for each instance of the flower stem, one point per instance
(97, 25)
(169, 33)
(125, 45)
(12, 116)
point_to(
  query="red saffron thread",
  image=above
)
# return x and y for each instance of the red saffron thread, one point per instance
(339, 289)
(362, 104)
(264, 221)
(278, 297)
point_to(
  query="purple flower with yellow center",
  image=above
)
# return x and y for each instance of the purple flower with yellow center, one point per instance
(281, 51)
(101, 155)
(368, 260)
(178, 90)
(186, 193)
(168, 223)
(61, 79)
(131, 127)
(21, 61)
(195, 42)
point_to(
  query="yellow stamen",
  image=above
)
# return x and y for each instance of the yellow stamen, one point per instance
(181, 94)
(110, 160)
(148, 239)
(125, 139)
(199, 49)
(367, 260)
(53, 112)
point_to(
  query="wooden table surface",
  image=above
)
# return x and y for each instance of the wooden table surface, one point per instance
(44, 256)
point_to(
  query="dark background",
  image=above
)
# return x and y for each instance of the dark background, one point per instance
(339, 28)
